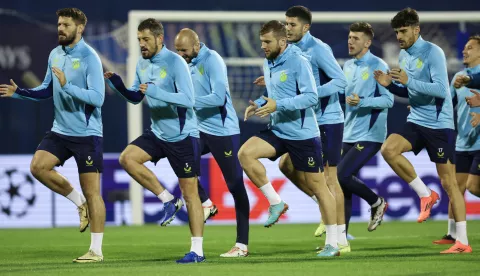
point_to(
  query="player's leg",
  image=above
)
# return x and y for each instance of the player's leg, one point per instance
(50, 153)
(351, 163)
(184, 157)
(332, 136)
(473, 182)
(286, 167)
(225, 151)
(264, 145)
(88, 153)
(209, 209)
(463, 163)
(411, 139)
(149, 148)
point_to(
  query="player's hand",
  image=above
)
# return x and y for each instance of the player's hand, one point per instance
(7, 90)
(473, 101)
(260, 81)
(353, 100)
(409, 107)
(143, 87)
(60, 75)
(461, 81)
(250, 111)
(269, 107)
(475, 119)
(399, 75)
(382, 78)
(108, 74)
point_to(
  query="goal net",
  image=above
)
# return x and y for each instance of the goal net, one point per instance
(234, 35)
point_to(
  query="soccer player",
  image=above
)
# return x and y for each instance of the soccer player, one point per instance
(468, 142)
(218, 125)
(470, 81)
(292, 94)
(365, 121)
(78, 93)
(163, 78)
(329, 81)
(422, 77)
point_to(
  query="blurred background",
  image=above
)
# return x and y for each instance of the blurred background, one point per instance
(28, 33)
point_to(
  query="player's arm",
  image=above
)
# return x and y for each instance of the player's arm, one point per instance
(474, 81)
(453, 92)
(385, 80)
(132, 94)
(216, 71)
(261, 101)
(42, 92)
(308, 96)
(183, 86)
(94, 94)
(438, 87)
(385, 100)
(328, 64)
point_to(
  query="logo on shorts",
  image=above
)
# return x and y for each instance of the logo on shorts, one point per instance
(89, 162)
(187, 169)
(440, 153)
(228, 153)
(311, 162)
(359, 147)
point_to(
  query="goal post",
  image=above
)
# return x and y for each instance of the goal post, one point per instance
(252, 65)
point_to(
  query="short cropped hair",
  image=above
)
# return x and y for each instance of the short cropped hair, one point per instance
(77, 15)
(301, 12)
(405, 18)
(278, 28)
(362, 27)
(155, 27)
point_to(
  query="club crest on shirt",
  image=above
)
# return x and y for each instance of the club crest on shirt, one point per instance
(75, 63)
(283, 77)
(163, 73)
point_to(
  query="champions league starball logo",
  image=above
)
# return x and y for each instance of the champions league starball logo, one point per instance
(17, 193)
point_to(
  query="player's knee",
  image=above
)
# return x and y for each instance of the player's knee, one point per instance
(285, 167)
(244, 154)
(125, 160)
(388, 151)
(473, 188)
(449, 183)
(37, 168)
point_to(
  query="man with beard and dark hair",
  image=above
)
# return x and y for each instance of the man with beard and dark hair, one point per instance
(164, 80)
(218, 126)
(423, 79)
(290, 98)
(78, 93)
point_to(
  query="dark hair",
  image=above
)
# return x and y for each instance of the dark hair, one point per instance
(475, 37)
(77, 15)
(155, 27)
(275, 26)
(301, 12)
(362, 27)
(405, 18)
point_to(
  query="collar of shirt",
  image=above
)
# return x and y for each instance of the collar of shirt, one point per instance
(364, 59)
(417, 47)
(80, 44)
(201, 54)
(160, 55)
(306, 37)
(473, 70)
(282, 57)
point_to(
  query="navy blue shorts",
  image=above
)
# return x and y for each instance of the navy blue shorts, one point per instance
(355, 156)
(87, 150)
(468, 162)
(440, 143)
(183, 156)
(332, 136)
(306, 155)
